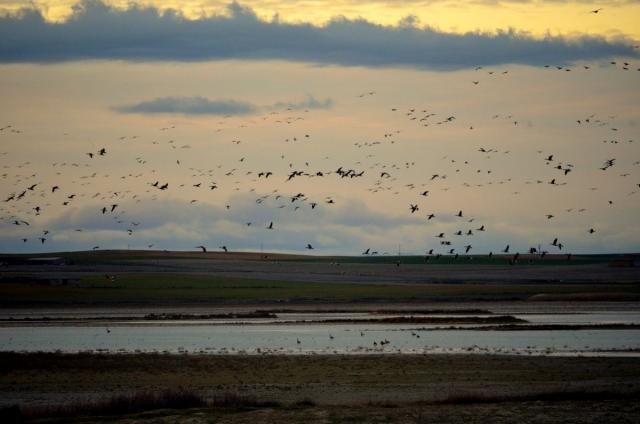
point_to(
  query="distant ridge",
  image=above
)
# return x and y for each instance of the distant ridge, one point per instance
(249, 255)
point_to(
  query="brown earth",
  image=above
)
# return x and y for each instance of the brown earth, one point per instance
(326, 379)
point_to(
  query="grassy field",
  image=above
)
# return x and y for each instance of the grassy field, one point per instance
(502, 412)
(164, 287)
(334, 389)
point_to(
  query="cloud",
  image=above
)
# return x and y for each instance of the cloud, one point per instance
(348, 227)
(309, 103)
(190, 106)
(202, 106)
(98, 31)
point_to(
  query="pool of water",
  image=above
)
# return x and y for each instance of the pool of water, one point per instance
(312, 338)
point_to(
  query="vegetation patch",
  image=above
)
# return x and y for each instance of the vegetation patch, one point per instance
(554, 396)
(116, 405)
(166, 288)
(502, 319)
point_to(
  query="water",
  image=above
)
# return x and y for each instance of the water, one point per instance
(312, 338)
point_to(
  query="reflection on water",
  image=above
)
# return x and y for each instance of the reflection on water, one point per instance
(311, 338)
(287, 334)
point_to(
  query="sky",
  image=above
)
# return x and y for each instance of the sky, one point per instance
(524, 115)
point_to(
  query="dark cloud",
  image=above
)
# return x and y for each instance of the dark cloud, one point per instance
(309, 103)
(190, 106)
(343, 228)
(348, 227)
(202, 106)
(97, 31)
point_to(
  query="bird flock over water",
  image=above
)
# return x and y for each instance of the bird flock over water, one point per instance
(117, 190)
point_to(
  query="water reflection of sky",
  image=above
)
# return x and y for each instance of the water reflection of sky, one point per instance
(311, 338)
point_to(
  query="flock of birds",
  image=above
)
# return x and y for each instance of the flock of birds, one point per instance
(32, 201)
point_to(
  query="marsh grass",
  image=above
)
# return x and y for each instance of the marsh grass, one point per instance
(553, 396)
(235, 400)
(145, 401)
(117, 405)
(140, 401)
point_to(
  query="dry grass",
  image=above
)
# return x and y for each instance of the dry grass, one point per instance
(116, 405)
(553, 396)
(310, 388)
(235, 400)
(165, 406)
(140, 401)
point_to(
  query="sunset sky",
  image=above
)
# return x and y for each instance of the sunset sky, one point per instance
(464, 100)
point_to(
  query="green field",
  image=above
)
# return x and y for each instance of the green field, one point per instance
(163, 287)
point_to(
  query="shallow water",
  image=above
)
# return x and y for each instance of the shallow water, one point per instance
(312, 338)
(286, 334)
(587, 317)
